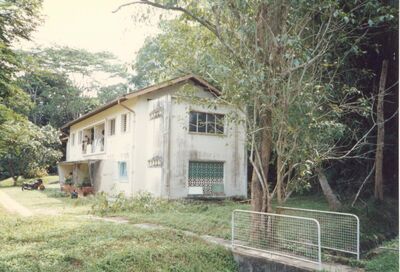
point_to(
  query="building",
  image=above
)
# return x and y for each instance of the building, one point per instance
(159, 141)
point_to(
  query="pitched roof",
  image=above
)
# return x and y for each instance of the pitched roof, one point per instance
(153, 88)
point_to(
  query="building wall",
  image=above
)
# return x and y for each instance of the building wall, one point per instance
(117, 148)
(228, 148)
(166, 137)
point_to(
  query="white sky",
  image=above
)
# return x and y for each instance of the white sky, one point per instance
(90, 24)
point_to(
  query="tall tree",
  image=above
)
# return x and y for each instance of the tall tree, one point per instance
(281, 60)
(380, 138)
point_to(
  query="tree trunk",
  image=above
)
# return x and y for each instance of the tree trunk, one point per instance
(380, 138)
(334, 203)
(12, 173)
(256, 192)
(279, 180)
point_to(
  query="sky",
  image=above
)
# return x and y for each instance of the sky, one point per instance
(90, 24)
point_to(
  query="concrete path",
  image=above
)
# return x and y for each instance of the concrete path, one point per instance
(13, 206)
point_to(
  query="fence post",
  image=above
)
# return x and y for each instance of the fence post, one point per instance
(233, 230)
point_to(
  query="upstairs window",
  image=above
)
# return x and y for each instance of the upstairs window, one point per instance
(80, 137)
(209, 123)
(73, 139)
(124, 122)
(111, 127)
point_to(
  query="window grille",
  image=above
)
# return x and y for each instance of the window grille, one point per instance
(111, 127)
(209, 123)
(208, 175)
(124, 122)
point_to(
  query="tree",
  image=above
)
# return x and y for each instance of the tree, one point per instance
(80, 65)
(108, 93)
(17, 20)
(26, 148)
(56, 100)
(279, 60)
(381, 134)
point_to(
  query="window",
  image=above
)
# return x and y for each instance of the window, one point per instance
(80, 137)
(209, 123)
(73, 139)
(208, 176)
(111, 127)
(124, 122)
(122, 169)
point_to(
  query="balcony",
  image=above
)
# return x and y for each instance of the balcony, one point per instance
(93, 140)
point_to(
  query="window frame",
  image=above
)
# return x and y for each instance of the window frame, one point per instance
(124, 126)
(204, 162)
(216, 117)
(124, 176)
(112, 131)
(73, 139)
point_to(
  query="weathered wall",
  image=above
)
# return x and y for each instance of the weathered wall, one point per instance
(228, 148)
(167, 137)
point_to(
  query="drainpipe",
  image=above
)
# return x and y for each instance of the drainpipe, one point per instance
(133, 142)
(122, 105)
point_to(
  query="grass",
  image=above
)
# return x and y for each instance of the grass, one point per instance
(202, 217)
(9, 182)
(50, 201)
(386, 260)
(379, 221)
(65, 243)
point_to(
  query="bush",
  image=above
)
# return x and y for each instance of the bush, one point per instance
(142, 203)
(37, 172)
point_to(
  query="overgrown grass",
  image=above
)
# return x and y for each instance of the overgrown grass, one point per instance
(386, 260)
(65, 243)
(202, 217)
(9, 182)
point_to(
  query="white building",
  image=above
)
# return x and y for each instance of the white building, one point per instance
(153, 140)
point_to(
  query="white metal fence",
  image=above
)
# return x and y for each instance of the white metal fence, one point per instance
(339, 231)
(285, 235)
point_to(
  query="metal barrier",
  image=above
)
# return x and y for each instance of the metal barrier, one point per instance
(339, 231)
(284, 235)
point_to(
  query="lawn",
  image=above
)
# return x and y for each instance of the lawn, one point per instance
(378, 223)
(65, 243)
(9, 182)
(50, 201)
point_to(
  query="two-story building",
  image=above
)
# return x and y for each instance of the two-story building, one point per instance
(153, 140)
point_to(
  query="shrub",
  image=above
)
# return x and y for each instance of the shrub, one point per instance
(36, 172)
(142, 203)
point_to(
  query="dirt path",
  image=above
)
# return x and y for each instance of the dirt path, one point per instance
(13, 206)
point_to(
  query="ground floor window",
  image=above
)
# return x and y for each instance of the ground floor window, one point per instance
(122, 169)
(207, 175)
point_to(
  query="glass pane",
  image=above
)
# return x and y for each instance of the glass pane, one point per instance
(219, 119)
(201, 125)
(193, 121)
(210, 123)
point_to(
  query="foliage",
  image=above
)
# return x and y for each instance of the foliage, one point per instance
(386, 260)
(24, 147)
(56, 100)
(17, 20)
(80, 65)
(107, 93)
(290, 63)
